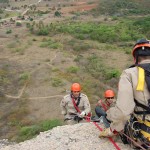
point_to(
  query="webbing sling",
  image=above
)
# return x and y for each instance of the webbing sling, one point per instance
(146, 68)
(79, 111)
(142, 125)
(141, 79)
(75, 106)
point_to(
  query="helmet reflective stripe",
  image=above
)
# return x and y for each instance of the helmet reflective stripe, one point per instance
(138, 46)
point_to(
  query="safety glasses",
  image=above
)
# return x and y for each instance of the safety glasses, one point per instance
(110, 98)
(76, 91)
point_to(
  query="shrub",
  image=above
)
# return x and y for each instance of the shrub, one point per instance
(31, 19)
(111, 73)
(97, 69)
(1, 11)
(28, 132)
(73, 69)
(18, 24)
(24, 76)
(42, 31)
(81, 47)
(28, 25)
(9, 31)
(50, 44)
(122, 31)
(56, 82)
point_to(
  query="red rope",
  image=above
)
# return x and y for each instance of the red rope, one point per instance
(88, 120)
(110, 139)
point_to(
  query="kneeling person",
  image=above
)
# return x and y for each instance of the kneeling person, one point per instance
(103, 106)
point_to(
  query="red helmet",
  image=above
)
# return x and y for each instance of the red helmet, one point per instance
(75, 87)
(109, 93)
(141, 48)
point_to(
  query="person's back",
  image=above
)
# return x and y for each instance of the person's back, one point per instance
(132, 110)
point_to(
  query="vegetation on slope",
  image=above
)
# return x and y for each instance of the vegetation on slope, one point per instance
(4, 1)
(122, 31)
(123, 7)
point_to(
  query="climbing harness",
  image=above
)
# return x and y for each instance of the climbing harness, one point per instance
(133, 134)
(78, 110)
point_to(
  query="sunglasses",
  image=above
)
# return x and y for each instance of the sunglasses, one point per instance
(76, 91)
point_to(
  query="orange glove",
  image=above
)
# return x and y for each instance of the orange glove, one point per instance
(106, 133)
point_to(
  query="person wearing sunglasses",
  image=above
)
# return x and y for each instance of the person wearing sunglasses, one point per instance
(131, 114)
(75, 106)
(103, 105)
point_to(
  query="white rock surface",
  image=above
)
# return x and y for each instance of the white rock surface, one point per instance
(82, 136)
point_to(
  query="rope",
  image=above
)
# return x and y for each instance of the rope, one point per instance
(133, 141)
(110, 139)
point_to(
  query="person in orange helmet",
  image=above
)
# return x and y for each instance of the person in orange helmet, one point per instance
(104, 105)
(131, 114)
(75, 106)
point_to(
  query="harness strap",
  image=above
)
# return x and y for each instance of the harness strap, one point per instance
(146, 67)
(144, 127)
(79, 111)
(146, 73)
(141, 79)
(142, 112)
(142, 106)
(75, 106)
(103, 105)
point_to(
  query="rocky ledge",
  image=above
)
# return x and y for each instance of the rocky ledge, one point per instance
(82, 136)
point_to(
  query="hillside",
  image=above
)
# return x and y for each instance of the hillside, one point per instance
(69, 137)
(47, 45)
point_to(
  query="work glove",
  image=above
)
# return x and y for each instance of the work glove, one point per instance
(82, 114)
(106, 133)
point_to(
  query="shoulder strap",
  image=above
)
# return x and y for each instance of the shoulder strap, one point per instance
(143, 106)
(146, 68)
(103, 105)
(132, 66)
(75, 106)
(147, 109)
(78, 102)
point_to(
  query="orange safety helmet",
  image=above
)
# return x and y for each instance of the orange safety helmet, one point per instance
(141, 48)
(75, 87)
(109, 93)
